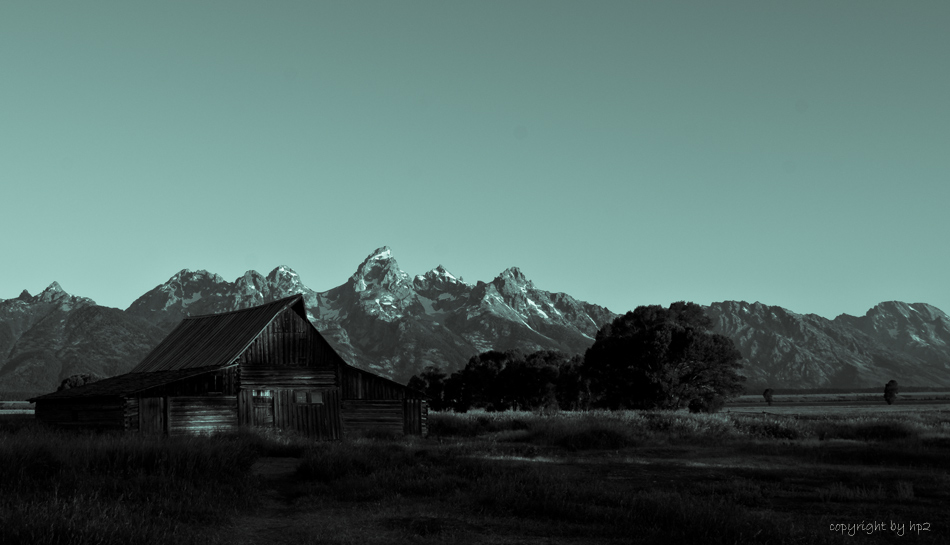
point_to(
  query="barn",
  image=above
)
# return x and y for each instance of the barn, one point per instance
(261, 367)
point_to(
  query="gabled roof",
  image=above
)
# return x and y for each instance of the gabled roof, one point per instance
(214, 340)
(123, 385)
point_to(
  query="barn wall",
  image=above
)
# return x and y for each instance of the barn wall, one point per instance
(359, 384)
(289, 341)
(223, 381)
(257, 378)
(131, 410)
(188, 415)
(97, 413)
(315, 412)
(416, 417)
(365, 415)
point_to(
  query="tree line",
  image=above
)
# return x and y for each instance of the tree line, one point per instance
(649, 358)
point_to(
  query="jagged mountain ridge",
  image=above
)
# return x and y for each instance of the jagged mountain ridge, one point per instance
(894, 340)
(393, 324)
(53, 335)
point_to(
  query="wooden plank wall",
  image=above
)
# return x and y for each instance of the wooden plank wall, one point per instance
(415, 417)
(364, 415)
(267, 378)
(359, 384)
(100, 413)
(245, 401)
(320, 421)
(223, 381)
(152, 412)
(290, 341)
(201, 414)
(132, 414)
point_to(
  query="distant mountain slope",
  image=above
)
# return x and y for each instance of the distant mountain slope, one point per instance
(384, 320)
(908, 343)
(48, 337)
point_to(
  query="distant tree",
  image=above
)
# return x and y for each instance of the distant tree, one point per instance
(78, 380)
(527, 382)
(431, 382)
(890, 392)
(657, 358)
(477, 385)
(767, 394)
(573, 387)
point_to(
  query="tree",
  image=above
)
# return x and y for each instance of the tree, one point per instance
(890, 392)
(431, 382)
(478, 384)
(573, 387)
(767, 394)
(76, 381)
(529, 383)
(656, 358)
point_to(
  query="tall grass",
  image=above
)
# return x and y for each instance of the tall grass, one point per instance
(567, 503)
(605, 430)
(58, 487)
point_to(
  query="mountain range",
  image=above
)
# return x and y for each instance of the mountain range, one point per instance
(391, 323)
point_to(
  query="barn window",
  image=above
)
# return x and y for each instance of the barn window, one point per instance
(311, 397)
(263, 393)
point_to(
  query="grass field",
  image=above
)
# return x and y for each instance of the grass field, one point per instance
(626, 477)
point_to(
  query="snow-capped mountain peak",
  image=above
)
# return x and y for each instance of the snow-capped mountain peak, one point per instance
(53, 292)
(379, 271)
(285, 280)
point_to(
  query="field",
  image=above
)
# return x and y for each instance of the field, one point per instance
(849, 404)
(627, 477)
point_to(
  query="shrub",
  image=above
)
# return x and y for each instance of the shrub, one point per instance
(890, 392)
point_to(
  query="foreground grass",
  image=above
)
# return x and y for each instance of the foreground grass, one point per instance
(59, 488)
(634, 478)
(629, 477)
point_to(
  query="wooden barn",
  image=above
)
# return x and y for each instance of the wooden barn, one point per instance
(264, 367)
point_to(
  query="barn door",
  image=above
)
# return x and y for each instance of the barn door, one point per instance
(263, 407)
(152, 419)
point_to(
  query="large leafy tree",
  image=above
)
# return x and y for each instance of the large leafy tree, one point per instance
(657, 358)
(431, 382)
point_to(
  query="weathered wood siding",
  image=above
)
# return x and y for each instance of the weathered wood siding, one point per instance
(132, 414)
(245, 401)
(188, 415)
(365, 415)
(281, 409)
(98, 413)
(320, 421)
(222, 381)
(289, 341)
(152, 415)
(359, 384)
(415, 417)
(259, 378)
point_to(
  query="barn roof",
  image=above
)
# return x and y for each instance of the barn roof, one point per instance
(123, 385)
(214, 340)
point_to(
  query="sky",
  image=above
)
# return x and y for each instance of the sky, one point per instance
(627, 153)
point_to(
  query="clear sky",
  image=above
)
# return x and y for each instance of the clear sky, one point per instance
(793, 153)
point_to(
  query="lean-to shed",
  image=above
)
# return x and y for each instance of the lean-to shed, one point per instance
(264, 367)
